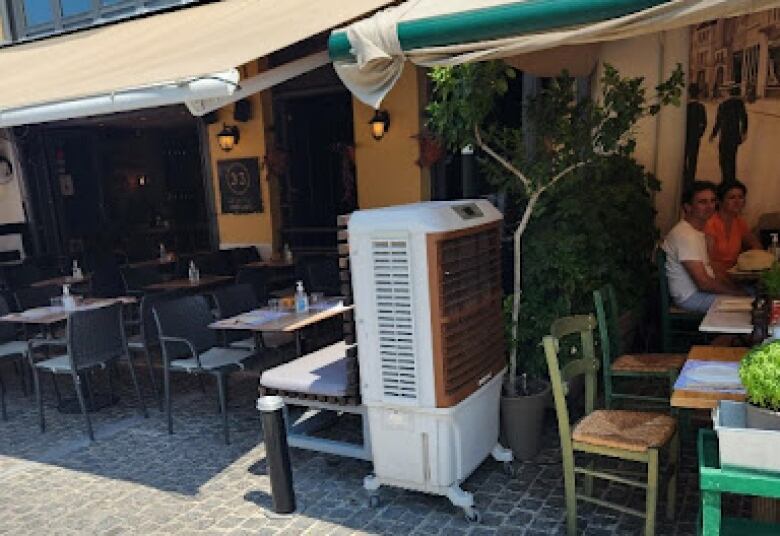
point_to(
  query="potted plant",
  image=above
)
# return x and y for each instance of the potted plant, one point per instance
(770, 283)
(760, 375)
(567, 137)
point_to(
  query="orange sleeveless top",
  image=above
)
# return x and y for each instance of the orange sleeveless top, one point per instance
(725, 247)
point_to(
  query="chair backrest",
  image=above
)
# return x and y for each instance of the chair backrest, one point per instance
(320, 274)
(215, 263)
(7, 329)
(187, 318)
(96, 335)
(149, 333)
(257, 278)
(27, 298)
(244, 255)
(107, 280)
(663, 288)
(555, 344)
(136, 278)
(234, 300)
(607, 314)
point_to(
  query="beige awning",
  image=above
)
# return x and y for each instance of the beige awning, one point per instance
(176, 46)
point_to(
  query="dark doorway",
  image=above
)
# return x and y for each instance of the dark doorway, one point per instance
(320, 184)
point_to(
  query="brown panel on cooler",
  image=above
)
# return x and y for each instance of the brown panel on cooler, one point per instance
(466, 316)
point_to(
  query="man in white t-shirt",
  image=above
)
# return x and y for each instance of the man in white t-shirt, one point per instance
(692, 282)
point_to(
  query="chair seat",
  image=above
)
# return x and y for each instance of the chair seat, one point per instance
(648, 362)
(322, 372)
(136, 342)
(244, 344)
(13, 348)
(57, 364)
(634, 431)
(212, 359)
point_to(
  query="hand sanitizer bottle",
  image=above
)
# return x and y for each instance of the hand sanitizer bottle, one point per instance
(774, 247)
(288, 256)
(193, 272)
(301, 299)
(68, 302)
(163, 253)
(76, 270)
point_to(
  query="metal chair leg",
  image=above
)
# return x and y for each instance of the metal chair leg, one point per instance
(77, 383)
(137, 387)
(167, 388)
(56, 389)
(152, 379)
(2, 400)
(221, 381)
(38, 399)
(674, 462)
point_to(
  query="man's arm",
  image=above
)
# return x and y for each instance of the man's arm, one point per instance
(706, 283)
(743, 120)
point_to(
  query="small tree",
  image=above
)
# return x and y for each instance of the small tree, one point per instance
(568, 134)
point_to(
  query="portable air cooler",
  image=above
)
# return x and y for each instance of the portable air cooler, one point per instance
(426, 279)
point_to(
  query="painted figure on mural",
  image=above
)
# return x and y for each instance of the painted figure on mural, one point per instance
(696, 124)
(731, 125)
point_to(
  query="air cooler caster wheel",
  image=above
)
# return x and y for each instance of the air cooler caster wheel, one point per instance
(373, 501)
(473, 516)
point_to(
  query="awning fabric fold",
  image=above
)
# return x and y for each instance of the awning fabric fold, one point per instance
(176, 47)
(369, 55)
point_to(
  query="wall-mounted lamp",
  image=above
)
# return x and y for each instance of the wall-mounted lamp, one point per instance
(228, 137)
(380, 124)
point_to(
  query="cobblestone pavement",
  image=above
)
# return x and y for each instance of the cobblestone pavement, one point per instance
(137, 479)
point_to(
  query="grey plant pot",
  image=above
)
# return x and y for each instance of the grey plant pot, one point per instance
(522, 418)
(764, 419)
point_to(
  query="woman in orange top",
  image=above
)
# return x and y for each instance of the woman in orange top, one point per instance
(727, 231)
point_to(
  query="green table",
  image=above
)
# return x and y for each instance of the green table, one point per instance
(714, 480)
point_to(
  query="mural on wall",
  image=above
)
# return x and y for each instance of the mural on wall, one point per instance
(733, 115)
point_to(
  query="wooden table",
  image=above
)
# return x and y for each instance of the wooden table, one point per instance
(154, 263)
(62, 280)
(46, 316)
(290, 322)
(718, 320)
(270, 263)
(184, 283)
(695, 399)
(744, 275)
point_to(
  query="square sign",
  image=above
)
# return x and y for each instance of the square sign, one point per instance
(239, 185)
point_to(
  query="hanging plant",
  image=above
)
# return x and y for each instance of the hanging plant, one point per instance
(431, 149)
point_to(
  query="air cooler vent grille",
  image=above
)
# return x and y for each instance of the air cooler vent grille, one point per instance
(393, 285)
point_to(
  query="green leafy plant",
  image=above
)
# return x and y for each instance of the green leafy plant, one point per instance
(760, 374)
(574, 138)
(770, 281)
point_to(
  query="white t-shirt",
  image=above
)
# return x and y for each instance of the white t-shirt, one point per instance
(684, 243)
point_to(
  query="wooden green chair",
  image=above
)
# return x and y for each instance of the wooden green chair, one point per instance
(627, 435)
(679, 328)
(616, 364)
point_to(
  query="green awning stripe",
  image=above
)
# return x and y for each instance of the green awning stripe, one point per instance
(499, 22)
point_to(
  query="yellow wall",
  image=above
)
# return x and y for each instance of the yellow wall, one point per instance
(246, 229)
(386, 170)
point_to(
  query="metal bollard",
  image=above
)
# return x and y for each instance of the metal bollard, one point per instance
(277, 454)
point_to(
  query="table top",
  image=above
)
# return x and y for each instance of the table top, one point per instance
(61, 280)
(744, 275)
(696, 399)
(267, 320)
(270, 263)
(723, 316)
(185, 283)
(169, 259)
(54, 314)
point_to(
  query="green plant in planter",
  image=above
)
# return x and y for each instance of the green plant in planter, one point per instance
(760, 374)
(770, 282)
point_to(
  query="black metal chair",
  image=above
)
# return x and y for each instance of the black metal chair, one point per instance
(96, 339)
(320, 274)
(137, 278)
(148, 338)
(189, 345)
(10, 349)
(29, 297)
(244, 255)
(257, 278)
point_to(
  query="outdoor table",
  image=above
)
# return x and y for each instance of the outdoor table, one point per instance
(270, 263)
(715, 480)
(62, 280)
(184, 283)
(266, 320)
(691, 398)
(744, 275)
(156, 262)
(728, 314)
